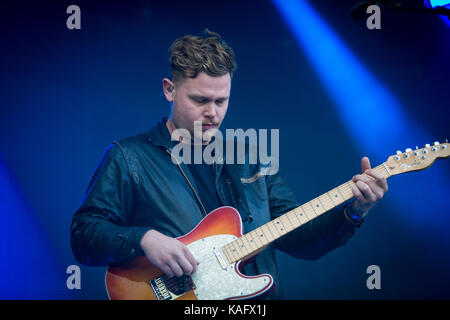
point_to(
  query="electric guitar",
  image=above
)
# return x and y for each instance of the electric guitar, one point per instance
(219, 244)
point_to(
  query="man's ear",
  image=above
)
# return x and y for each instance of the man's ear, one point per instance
(168, 89)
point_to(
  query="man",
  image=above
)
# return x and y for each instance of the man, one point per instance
(140, 200)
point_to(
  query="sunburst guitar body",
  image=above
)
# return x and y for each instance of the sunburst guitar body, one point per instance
(216, 277)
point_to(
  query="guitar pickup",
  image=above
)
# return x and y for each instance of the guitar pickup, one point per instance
(223, 264)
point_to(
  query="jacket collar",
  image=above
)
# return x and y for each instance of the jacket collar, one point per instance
(159, 135)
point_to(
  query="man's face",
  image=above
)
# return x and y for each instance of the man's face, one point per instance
(203, 99)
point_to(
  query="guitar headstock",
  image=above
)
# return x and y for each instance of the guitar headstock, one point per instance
(418, 159)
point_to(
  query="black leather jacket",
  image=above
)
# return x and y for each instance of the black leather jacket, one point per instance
(136, 187)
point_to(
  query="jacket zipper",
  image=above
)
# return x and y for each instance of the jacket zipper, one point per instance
(189, 182)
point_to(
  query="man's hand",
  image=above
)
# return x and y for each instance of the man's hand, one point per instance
(168, 254)
(369, 188)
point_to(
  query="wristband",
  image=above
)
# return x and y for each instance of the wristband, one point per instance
(351, 215)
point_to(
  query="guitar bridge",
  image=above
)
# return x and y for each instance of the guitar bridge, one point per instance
(166, 288)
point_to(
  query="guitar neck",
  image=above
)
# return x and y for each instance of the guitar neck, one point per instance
(257, 239)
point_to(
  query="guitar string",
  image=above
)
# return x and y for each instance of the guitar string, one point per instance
(345, 188)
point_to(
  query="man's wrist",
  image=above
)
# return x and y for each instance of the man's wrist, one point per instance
(351, 216)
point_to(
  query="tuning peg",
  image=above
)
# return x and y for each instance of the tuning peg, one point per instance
(446, 140)
(408, 150)
(427, 145)
(398, 152)
(436, 143)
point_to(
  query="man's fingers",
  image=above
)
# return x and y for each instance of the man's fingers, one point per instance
(379, 179)
(366, 191)
(365, 164)
(185, 265)
(358, 195)
(167, 270)
(376, 187)
(175, 267)
(191, 259)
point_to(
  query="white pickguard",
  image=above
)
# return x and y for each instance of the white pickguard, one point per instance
(213, 281)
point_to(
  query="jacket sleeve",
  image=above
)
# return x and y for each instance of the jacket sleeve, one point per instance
(99, 231)
(315, 238)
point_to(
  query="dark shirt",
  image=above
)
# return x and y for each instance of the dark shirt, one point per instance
(204, 178)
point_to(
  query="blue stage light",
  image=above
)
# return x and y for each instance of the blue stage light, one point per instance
(435, 3)
(440, 3)
(374, 117)
(28, 268)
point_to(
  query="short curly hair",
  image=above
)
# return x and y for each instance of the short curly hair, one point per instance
(190, 55)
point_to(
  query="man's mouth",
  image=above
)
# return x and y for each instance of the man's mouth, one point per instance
(207, 126)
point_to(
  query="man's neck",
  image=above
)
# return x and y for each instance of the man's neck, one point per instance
(171, 127)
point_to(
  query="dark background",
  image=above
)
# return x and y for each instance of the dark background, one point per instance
(65, 95)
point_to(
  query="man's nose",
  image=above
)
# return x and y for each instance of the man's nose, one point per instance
(210, 110)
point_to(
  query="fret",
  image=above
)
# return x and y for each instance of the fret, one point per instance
(331, 199)
(276, 234)
(340, 192)
(242, 246)
(294, 221)
(325, 203)
(261, 236)
(225, 250)
(231, 251)
(238, 245)
(255, 239)
(235, 250)
(249, 244)
(302, 215)
(286, 223)
(314, 210)
(349, 192)
(297, 216)
(317, 206)
(267, 232)
(279, 225)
